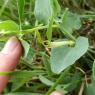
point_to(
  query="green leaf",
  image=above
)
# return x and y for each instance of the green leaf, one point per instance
(64, 56)
(46, 63)
(19, 78)
(24, 74)
(55, 9)
(70, 22)
(30, 56)
(26, 47)
(43, 10)
(18, 83)
(8, 25)
(50, 83)
(45, 80)
(20, 4)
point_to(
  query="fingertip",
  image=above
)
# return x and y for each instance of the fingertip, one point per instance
(56, 93)
(13, 47)
(9, 58)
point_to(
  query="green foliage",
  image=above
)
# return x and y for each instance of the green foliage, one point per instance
(43, 10)
(58, 43)
(26, 47)
(60, 55)
(9, 26)
(71, 20)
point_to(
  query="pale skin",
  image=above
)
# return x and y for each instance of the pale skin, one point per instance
(9, 58)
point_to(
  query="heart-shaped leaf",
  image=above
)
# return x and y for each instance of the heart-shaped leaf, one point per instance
(64, 56)
(70, 22)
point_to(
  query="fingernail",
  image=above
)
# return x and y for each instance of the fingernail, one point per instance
(10, 45)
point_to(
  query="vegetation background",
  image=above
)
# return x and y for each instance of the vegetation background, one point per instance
(58, 39)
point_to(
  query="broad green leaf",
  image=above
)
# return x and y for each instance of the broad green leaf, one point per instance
(8, 25)
(70, 22)
(26, 47)
(64, 56)
(43, 10)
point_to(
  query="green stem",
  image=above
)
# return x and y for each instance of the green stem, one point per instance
(68, 34)
(64, 14)
(26, 31)
(92, 51)
(58, 81)
(38, 28)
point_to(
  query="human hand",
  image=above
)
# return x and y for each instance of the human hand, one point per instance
(9, 58)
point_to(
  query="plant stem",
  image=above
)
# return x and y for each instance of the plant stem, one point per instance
(58, 81)
(64, 14)
(38, 28)
(23, 32)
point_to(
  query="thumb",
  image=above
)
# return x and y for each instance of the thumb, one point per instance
(56, 93)
(9, 57)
